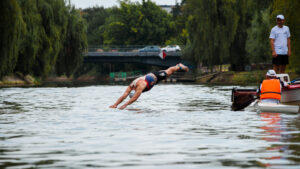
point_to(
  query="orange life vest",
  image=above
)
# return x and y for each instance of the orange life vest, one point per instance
(270, 89)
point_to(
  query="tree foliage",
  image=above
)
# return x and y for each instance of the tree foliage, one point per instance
(257, 43)
(212, 28)
(53, 32)
(11, 28)
(237, 32)
(135, 23)
(74, 44)
(180, 35)
(33, 35)
(95, 18)
(29, 43)
(214, 31)
(47, 36)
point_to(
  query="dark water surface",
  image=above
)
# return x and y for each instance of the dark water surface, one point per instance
(172, 126)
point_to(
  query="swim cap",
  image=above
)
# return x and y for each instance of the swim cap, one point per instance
(150, 81)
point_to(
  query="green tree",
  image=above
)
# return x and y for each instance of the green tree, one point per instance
(95, 18)
(11, 28)
(34, 33)
(71, 56)
(238, 54)
(30, 41)
(178, 25)
(211, 26)
(52, 34)
(257, 44)
(135, 23)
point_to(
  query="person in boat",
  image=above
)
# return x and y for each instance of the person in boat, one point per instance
(145, 83)
(270, 88)
(280, 44)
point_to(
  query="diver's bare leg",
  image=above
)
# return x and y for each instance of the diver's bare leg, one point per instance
(173, 69)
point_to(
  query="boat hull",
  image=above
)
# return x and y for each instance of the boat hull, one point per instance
(277, 108)
(290, 93)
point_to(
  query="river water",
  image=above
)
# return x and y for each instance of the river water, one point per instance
(172, 126)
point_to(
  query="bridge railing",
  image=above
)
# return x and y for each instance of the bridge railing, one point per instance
(115, 48)
(119, 48)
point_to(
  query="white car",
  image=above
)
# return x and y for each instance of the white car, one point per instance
(171, 48)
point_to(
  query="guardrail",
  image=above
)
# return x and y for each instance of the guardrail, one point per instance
(130, 54)
(120, 48)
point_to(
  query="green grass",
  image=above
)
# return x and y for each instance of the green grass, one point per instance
(248, 77)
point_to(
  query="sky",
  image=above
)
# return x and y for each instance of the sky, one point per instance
(109, 3)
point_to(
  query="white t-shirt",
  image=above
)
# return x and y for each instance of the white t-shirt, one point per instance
(280, 35)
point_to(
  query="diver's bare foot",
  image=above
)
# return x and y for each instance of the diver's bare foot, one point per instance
(182, 67)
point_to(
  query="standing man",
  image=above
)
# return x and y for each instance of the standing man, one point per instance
(145, 83)
(280, 44)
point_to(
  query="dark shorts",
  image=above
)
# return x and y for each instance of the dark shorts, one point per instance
(160, 75)
(281, 60)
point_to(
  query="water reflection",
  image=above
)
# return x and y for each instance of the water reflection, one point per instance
(280, 131)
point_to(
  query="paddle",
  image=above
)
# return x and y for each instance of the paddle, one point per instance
(295, 80)
(241, 98)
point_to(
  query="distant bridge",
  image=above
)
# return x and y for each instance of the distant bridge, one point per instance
(151, 58)
(132, 56)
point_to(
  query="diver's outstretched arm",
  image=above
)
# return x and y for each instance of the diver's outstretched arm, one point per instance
(125, 94)
(137, 94)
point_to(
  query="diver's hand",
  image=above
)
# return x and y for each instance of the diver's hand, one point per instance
(123, 107)
(113, 106)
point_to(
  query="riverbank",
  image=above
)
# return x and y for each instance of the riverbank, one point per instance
(18, 80)
(225, 78)
(237, 78)
(231, 78)
(84, 80)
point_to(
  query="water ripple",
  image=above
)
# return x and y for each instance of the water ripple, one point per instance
(172, 126)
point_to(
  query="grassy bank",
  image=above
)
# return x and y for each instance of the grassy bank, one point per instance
(16, 80)
(237, 78)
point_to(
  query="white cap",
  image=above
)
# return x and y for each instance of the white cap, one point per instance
(280, 17)
(271, 72)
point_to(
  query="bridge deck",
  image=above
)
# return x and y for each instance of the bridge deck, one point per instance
(151, 58)
(128, 54)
